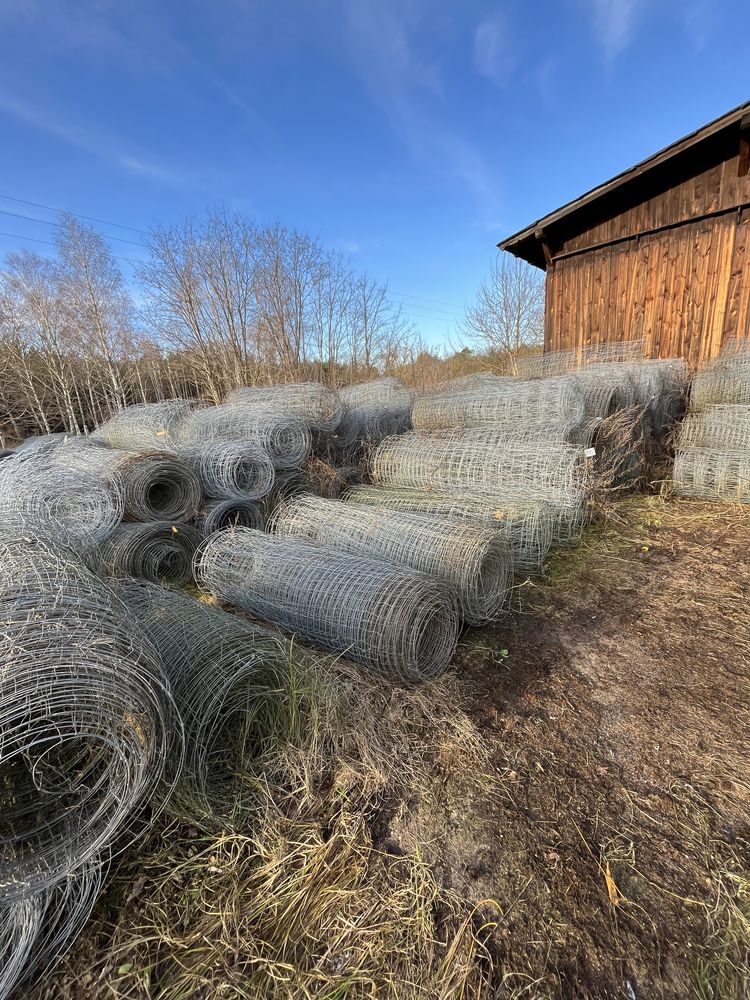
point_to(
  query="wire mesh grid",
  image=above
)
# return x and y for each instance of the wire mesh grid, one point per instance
(471, 559)
(158, 550)
(482, 461)
(553, 363)
(723, 426)
(373, 410)
(395, 621)
(525, 528)
(145, 426)
(230, 468)
(711, 474)
(285, 437)
(228, 677)
(85, 717)
(316, 404)
(62, 503)
(726, 380)
(548, 404)
(155, 485)
(233, 513)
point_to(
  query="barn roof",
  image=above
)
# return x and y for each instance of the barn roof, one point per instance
(528, 242)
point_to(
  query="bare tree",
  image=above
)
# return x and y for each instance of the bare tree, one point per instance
(508, 314)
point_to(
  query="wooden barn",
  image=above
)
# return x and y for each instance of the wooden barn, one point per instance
(660, 253)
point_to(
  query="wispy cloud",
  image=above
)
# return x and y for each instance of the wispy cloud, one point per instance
(494, 55)
(614, 23)
(85, 139)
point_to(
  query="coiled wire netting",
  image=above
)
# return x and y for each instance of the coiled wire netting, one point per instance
(395, 621)
(233, 513)
(316, 404)
(228, 677)
(35, 932)
(711, 474)
(157, 551)
(550, 405)
(230, 468)
(482, 461)
(145, 426)
(373, 410)
(471, 559)
(723, 426)
(725, 380)
(526, 528)
(64, 504)
(553, 363)
(155, 485)
(285, 437)
(85, 717)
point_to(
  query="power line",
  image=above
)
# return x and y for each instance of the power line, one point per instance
(64, 211)
(430, 309)
(49, 243)
(46, 222)
(441, 302)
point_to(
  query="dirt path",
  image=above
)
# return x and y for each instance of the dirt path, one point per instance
(617, 710)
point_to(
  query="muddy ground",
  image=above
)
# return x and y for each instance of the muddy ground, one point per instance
(617, 708)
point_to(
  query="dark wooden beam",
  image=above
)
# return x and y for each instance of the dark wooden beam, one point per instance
(743, 165)
(541, 237)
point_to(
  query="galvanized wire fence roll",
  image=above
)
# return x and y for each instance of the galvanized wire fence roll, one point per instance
(36, 932)
(554, 403)
(85, 717)
(234, 513)
(524, 527)
(285, 437)
(229, 679)
(373, 410)
(472, 560)
(155, 485)
(230, 468)
(711, 474)
(43, 444)
(482, 461)
(64, 504)
(726, 380)
(316, 404)
(397, 622)
(158, 550)
(723, 426)
(145, 426)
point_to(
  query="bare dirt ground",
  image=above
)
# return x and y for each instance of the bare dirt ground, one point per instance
(581, 805)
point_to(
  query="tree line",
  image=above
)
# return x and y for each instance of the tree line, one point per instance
(219, 302)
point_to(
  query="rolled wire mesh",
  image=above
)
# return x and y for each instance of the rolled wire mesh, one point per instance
(230, 468)
(373, 410)
(233, 513)
(471, 559)
(43, 444)
(62, 503)
(711, 474)
(316, 404)
(155, 485)
(545, 403)
(736, 347)
(85, 717)
(146, 426)
(482, 461)
(227, 676)
(726, 380)
(157, 550)
(36, 932)
(723, 426)
(393, 620)
(526, 528)
(553, 363)
(285, 437)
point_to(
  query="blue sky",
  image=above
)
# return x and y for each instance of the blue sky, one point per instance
(413, 134)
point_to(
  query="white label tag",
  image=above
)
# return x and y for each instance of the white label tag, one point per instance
(590, 452)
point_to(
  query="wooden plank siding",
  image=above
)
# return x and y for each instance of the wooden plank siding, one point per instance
(683, 290)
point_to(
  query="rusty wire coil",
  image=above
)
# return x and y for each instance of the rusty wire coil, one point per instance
(285, 437)
(86, 717)
(157, 551)
(316, 404)
(526, 528)
(471, 559)
(228, 677)
(395, 621)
